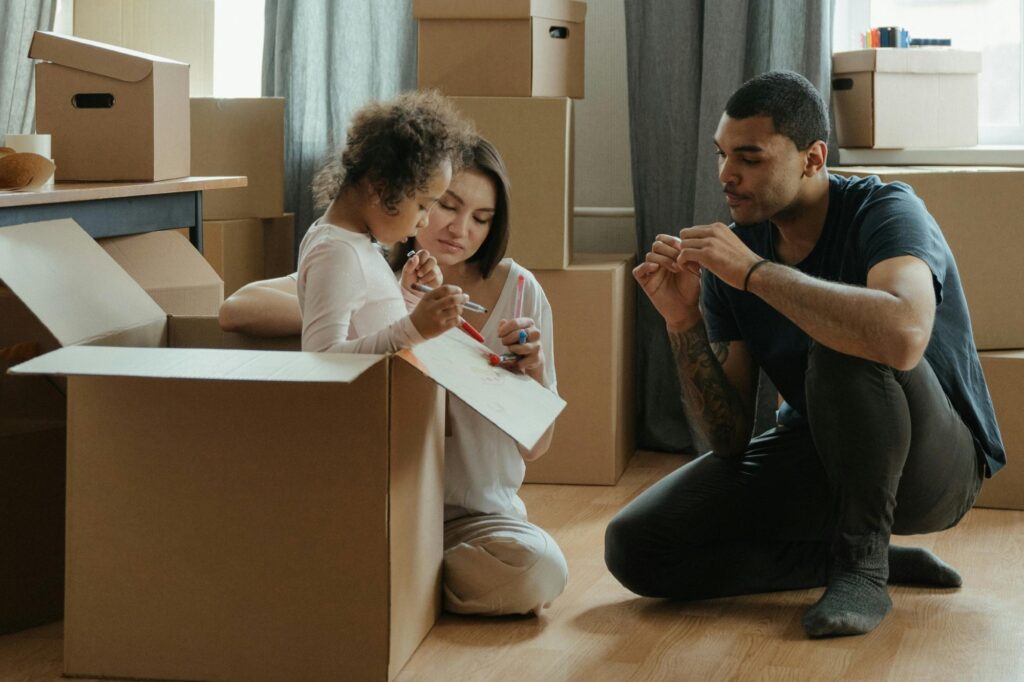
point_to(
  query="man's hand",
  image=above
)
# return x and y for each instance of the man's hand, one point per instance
(674, 289)
(718, 249)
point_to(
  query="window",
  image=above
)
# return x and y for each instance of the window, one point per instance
(992, 27)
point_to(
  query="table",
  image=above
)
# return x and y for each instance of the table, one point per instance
(113, 209)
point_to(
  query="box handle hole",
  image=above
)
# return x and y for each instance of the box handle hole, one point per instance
(92, 100)
(559, 32)
(842, 84)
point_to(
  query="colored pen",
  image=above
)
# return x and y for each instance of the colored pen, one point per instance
(471, 330)
(468, 305)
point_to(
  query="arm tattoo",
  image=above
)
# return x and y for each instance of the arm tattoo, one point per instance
(711, 402)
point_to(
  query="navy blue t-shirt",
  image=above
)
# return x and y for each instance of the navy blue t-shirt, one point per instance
(868, 221)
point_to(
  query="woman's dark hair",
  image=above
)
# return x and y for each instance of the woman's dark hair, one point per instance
(482, 156)
(794, 105)
(397, 145)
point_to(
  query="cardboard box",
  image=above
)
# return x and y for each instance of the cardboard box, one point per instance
(1004, 374)
(535, 138)
(593, 302)
(233, 248)
(31, 522)
(240, 136)
(279, 246)
(513, 48)
(978, 213)
(181, 30)
(113, 113)
(32, 436)
(896, 98)
(236, 514)
(170, 270)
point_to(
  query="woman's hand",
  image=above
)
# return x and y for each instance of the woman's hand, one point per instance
(421, 268)
(522, 337)
(438, 311)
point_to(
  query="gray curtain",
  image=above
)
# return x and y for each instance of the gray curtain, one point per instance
(684, 59)
(327, 58)
(20, 19)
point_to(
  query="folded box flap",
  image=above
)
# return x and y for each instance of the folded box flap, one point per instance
(201, 364)
(94, 57)
(572, 11)
(77, 291)
(514, 403)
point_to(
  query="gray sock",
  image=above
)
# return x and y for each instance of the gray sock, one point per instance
(918, 566)
(855, 601)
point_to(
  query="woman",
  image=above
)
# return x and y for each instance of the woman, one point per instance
(495, 561)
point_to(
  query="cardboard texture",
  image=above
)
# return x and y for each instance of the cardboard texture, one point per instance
(1004, 374)
(593, 302)
(31, 520)
(170, 270)
(235, 249)
(240, 136)
(535, 137)
(979, 216)
(896, 98)
(516, 48)
(181, 30)
(214, 474)
(279, 246)
(113, 113)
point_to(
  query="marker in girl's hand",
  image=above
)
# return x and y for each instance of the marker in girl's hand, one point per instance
(468, 305)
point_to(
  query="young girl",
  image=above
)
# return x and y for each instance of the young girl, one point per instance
(397, 162)
(495, 561)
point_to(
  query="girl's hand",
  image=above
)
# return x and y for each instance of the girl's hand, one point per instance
(522, 337)
(421, 268)
(438, 311)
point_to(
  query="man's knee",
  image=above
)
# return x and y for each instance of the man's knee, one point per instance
(624, 551)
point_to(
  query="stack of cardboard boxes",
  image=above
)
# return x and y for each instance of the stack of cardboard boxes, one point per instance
(514, 68)
(979, 216)
(246, 233)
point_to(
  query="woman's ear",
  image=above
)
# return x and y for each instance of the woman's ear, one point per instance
(371, 192)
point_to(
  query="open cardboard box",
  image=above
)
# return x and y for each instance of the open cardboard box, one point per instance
(236, 514)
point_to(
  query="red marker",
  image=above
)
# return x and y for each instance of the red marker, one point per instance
(471, 330)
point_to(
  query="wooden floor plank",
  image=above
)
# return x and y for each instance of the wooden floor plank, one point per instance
(597, 631)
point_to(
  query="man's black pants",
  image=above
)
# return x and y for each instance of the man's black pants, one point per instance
(884, 452)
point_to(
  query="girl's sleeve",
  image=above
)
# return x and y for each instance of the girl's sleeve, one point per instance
(333, 283)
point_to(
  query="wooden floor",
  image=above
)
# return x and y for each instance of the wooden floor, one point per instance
(598, 631)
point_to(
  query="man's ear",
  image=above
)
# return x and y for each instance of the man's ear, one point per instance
(817, 155)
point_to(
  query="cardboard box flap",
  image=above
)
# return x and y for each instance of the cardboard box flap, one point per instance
(907, 61)
(572, 11)
(75, 289)
(201, 364)
(514, 403)
(89, 55)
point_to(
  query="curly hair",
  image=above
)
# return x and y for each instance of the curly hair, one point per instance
(397, 145)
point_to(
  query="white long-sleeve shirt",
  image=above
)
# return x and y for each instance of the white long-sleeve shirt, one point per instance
(349, 298)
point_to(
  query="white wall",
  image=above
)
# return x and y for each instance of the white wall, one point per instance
(603, 177)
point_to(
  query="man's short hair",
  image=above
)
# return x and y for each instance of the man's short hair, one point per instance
(794, 105)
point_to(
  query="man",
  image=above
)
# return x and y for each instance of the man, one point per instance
(845, 293)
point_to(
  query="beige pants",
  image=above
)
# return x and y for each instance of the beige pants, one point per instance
(496, 565)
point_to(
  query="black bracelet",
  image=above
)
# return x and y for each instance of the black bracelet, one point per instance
(755, 266)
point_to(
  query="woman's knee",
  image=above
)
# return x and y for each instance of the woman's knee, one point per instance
(624, 554)
(506, 575)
